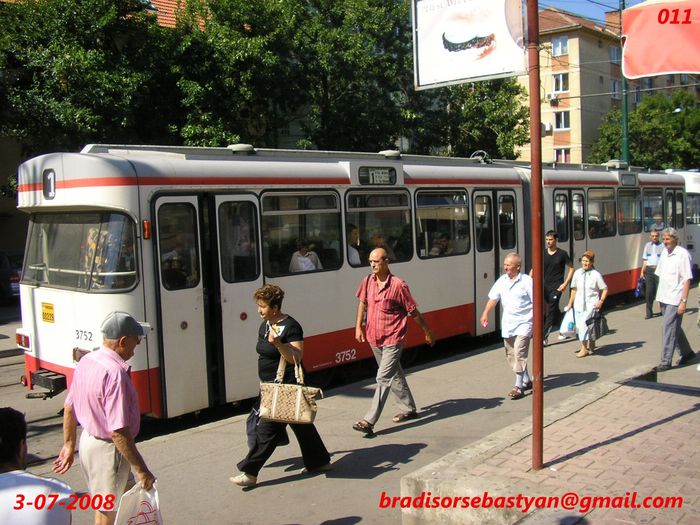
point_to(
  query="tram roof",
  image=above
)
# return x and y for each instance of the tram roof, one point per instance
(183, 165)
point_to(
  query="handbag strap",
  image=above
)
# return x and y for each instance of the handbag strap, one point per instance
(298, 370)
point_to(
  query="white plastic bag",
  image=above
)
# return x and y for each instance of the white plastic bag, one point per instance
(139, 507)
(568, 324)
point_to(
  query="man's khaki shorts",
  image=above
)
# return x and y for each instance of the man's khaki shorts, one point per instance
(105, 469)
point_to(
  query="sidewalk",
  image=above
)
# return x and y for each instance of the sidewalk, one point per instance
(604, 436)
(625, 437)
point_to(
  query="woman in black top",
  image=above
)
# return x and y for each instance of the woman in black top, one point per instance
(279, 334)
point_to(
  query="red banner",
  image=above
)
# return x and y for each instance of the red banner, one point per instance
(661, 37)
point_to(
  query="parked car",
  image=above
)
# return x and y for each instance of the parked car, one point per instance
(10, 272)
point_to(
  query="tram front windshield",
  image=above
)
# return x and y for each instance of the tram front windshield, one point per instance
(81, 251)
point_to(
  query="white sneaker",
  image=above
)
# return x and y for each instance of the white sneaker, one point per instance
(323, 468)
(562, 337)
(244, 480)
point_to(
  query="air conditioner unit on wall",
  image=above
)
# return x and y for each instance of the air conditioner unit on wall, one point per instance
(551, 97)
(548, 126)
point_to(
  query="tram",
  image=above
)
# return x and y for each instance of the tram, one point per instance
(692, 213)
(181, 237)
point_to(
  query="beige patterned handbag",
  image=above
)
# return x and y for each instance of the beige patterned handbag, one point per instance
(287, 403)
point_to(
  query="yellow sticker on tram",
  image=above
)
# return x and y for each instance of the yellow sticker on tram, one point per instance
(47, 312)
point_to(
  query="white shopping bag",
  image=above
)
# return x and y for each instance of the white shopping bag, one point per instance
(139, 507)
(568, 324)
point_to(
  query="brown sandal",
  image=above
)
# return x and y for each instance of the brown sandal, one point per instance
(516, 393)
(364, 426)
(404, 416)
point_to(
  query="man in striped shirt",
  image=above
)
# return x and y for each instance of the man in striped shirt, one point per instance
(388, 302)
(104, 401)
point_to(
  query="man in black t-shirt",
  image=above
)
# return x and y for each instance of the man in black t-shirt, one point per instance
(557, 271)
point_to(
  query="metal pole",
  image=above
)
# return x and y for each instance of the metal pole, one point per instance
(533, 52)
(625, 122)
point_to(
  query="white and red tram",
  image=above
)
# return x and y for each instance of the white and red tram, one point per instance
(182, 237)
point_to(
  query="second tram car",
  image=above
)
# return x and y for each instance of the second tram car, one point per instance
(182, 237)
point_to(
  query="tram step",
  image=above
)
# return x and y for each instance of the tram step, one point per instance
(50, 380)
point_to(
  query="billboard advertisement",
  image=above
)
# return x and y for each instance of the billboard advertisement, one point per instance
(661, 37)
(457, 41)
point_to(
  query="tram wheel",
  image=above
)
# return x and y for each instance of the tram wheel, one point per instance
(321, 379)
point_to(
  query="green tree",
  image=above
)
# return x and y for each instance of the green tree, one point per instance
(350, 54)
(662, 133)
(77, 71)
(237, 75)
(490, 115)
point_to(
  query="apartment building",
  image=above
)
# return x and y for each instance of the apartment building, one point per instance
(581, 81)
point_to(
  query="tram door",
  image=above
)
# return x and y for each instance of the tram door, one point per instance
(485, 254)
(570, 222)
(240, 275)
(495, 235)
(182, 305)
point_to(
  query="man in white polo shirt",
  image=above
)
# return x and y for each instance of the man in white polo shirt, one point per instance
(675, 274)
(27, 499)
(514, 290)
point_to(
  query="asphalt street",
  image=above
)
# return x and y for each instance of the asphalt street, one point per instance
(462, 397)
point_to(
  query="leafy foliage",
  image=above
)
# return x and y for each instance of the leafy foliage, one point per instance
(80, 71)
(349, 53)
(490, 115)
(662, 133)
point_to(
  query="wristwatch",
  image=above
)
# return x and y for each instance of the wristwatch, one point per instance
(684, 300)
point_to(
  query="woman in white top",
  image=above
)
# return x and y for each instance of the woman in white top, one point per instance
(588, 293)
(304, 260)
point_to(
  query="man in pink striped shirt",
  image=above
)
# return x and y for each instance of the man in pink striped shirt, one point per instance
(103, 400)
(388, 303)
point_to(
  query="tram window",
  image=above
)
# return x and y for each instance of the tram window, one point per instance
(82, 251)
(692, 208)
(578, 216)
(630, 211)
(177, 234)
(652, 202)
(382, 219)
(307, 223)
(561, 217)
(506, 221)
(442, 223)
(602, 219)
(679, 209)
(483, 223)
(670, 218)
(237, 241)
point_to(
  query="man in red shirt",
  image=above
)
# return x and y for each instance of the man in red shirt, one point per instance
(388, 303)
